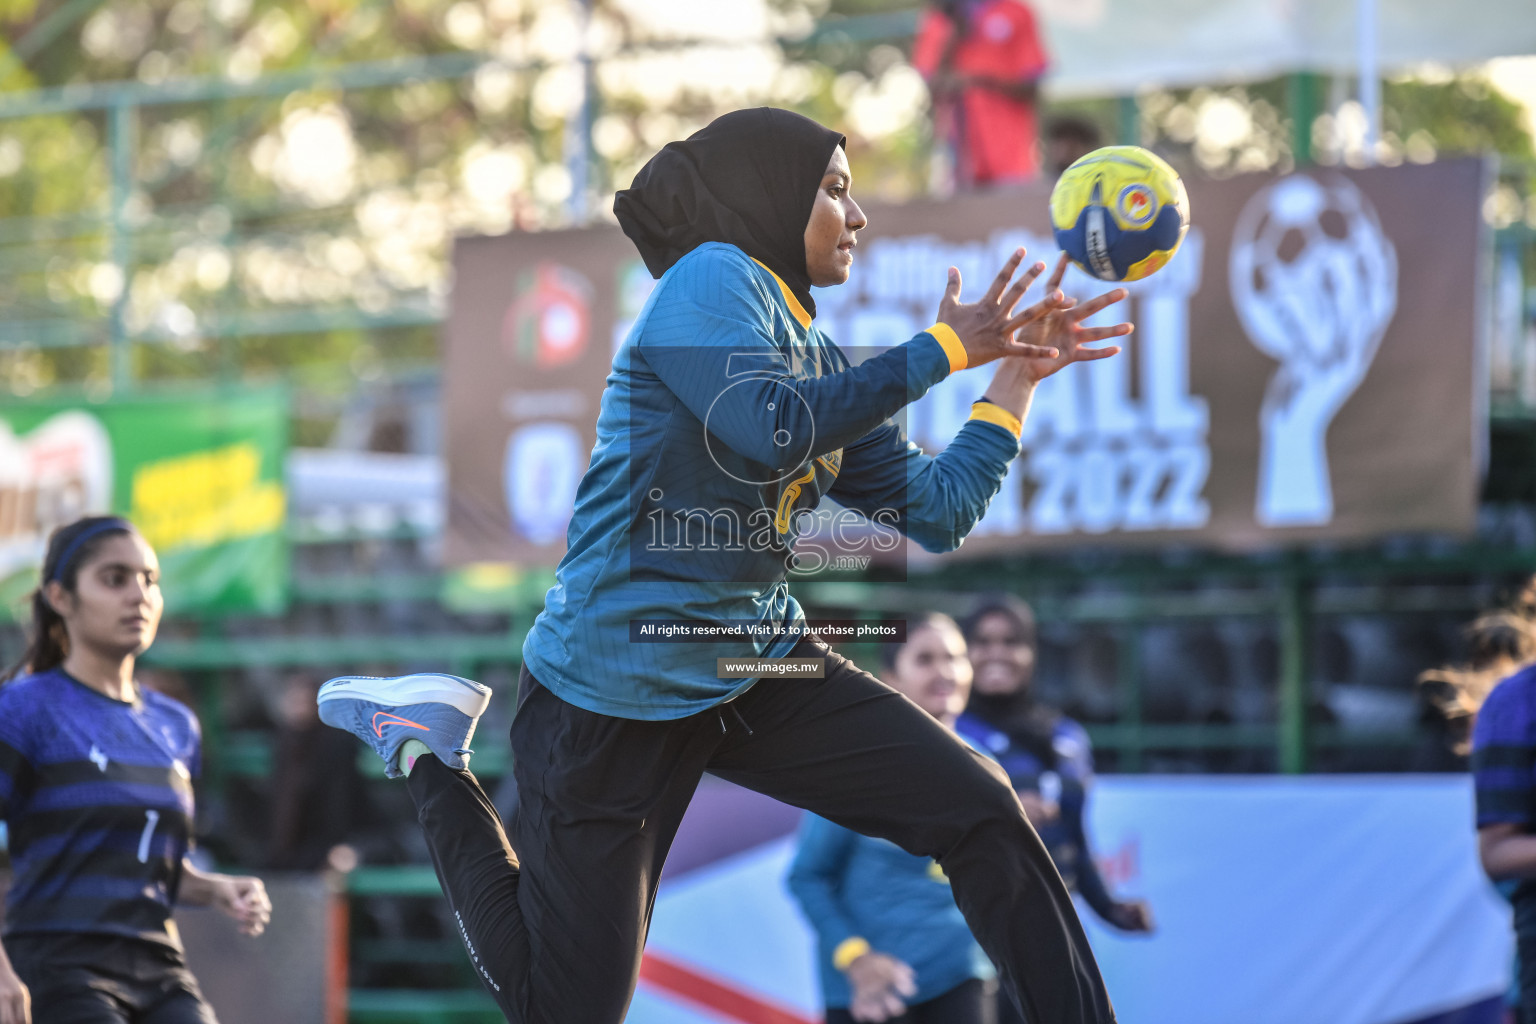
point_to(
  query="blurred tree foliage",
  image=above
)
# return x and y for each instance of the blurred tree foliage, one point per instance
(330, 200)
(1248, 128)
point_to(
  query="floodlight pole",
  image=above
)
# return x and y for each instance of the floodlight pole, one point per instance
(1368, 33)
(1130, 121)
(122, 120)
(1301, 97)
(578, 125)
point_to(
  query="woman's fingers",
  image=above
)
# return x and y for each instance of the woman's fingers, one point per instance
(874, 1006)
(1012, 296)
(952, 287)
(1004, 276)
(1088, 335)
(1088, 355)
(1057, 274)
(15, 1008)
(865, 1008)
(1050, 304)
(1097, 303)
(1019, 348)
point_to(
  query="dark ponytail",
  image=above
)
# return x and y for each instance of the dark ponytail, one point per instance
(69, 547)
(1501, 642)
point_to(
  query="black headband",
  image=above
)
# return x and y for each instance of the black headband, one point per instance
(109, 525)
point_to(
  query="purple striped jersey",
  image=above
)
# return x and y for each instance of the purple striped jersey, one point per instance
(96, 794)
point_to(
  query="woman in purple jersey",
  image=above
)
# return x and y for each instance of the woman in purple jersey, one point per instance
(96, 792)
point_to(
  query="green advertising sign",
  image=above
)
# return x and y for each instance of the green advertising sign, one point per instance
(201, 477)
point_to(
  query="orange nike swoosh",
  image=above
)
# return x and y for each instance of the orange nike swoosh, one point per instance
(389, 719)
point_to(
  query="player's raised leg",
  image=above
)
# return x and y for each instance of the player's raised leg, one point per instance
(599, 802)
(475, 864)
(553, 918)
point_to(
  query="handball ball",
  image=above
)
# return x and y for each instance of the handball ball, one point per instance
(1120, 213)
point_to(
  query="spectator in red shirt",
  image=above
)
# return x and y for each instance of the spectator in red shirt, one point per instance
(983, 60)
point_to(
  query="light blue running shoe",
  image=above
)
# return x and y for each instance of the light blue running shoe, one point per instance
(437, 709)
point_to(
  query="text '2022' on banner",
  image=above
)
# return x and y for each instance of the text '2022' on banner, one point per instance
(1304, 369)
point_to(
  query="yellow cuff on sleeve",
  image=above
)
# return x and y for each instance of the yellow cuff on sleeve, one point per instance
(848, 951)
(950, 341)
(989, 412)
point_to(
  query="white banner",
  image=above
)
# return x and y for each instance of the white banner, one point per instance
(1114, 47)
(1345, 900)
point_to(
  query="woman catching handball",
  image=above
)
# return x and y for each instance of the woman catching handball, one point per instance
(96, 792)
(725, 397)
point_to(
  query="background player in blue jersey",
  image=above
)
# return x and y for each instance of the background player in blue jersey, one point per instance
(1047, 755)
(96, 792)
(892, 944)
(1503, 765)
(727, 408)
(1501, 645)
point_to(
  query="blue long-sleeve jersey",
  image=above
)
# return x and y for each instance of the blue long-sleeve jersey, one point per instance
(1504, 776)
(728, 414)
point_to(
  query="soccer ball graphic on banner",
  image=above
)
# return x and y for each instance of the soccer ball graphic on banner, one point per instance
(1120, 213)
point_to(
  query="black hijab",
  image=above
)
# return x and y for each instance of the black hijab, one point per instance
(1027, 722)
(748, 178)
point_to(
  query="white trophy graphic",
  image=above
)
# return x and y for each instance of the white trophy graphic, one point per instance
(1314, 280)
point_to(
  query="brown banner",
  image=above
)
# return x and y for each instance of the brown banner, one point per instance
(1306, 368)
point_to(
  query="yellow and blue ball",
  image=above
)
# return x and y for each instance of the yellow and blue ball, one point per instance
(1120, 213)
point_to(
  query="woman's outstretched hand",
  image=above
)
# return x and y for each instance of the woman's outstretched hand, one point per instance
(1061, 330)
(987, 328)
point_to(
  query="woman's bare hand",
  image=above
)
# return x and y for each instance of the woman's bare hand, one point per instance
(881, 984)
(987, 329)
(15, 1000)
(1060, 330)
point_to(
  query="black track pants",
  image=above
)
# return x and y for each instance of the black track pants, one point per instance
(85, 978)
(556, 929)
